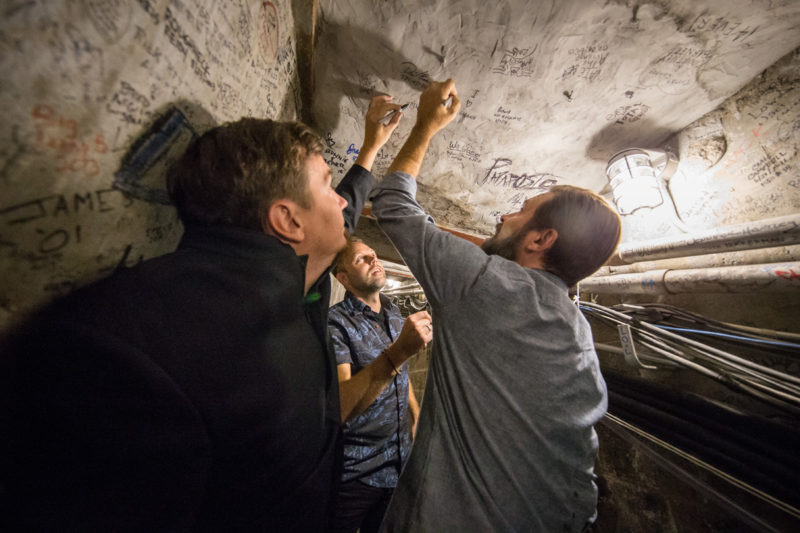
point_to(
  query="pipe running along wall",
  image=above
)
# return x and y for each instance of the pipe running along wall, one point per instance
(765, 233)
(773, 277)
(778, 254)
(750, 261)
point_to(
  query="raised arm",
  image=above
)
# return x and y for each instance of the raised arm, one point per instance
(445, 265)
(375, 132)
(359, 180)
(434, 113)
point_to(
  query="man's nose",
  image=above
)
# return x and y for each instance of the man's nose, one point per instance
(342, 201)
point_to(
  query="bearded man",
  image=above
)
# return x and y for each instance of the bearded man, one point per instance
(379, 410)
(506, 438)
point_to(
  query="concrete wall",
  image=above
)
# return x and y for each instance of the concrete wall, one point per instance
(84, 80)
(81, 82)
(738, 163)
(553, 87)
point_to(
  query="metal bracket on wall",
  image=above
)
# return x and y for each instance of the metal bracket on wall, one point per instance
(168, 136)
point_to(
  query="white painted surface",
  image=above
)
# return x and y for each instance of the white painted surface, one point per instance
(80, 82)
(550, 90)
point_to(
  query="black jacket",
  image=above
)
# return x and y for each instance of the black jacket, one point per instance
(195, 391)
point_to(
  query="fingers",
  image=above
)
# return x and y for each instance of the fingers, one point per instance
(379, 107)
(425, 332)
(438, 105)
(447, 88)
(395, 120)
(450, 95)
(445, 91)
(417, 332)
(421, 316)
(380, 99)
(427, 335)
(423, 324)
(455, 104)
(381, 120)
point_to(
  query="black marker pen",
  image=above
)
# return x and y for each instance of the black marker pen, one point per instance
(388, 116)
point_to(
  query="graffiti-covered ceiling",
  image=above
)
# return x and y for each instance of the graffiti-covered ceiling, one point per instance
(550, 90)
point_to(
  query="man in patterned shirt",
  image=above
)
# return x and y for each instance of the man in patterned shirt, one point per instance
(372, 343)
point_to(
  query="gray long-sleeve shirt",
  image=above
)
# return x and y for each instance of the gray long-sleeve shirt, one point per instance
(506, 438)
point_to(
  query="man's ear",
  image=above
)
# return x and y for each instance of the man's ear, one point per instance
(342, 278)
(283, 222)
(540, 240)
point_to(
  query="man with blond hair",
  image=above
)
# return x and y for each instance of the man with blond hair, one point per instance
(372, 343)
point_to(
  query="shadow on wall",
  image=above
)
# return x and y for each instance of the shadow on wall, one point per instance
(383, 62)
(142, 171)
(620, 135)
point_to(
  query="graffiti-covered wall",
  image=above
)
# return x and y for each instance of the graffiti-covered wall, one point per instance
(738, 163)
(98, 96)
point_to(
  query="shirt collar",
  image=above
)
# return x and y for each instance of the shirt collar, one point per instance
(356, 306)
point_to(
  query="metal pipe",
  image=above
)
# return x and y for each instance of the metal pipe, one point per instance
(772, 277)
(778, 254)
(759, 234)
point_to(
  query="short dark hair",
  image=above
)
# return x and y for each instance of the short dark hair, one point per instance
(234, 172)
(588, 231)
(345, 255)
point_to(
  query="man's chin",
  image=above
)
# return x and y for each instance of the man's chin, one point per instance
(503, 247)
(489, 245)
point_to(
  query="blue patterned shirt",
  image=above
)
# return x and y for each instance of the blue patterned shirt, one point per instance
(371, 451)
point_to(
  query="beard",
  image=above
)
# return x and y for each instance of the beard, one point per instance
(368, 286)
(505, 247)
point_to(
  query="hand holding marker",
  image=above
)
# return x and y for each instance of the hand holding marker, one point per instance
(388, 116)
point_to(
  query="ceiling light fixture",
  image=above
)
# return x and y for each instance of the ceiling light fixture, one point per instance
(636, 177)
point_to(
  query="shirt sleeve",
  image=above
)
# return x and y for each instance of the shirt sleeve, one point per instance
(340, 342)
(444, 265)
(354, 188)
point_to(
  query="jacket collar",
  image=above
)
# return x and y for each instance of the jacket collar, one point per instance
(234, 242)
(244, 244)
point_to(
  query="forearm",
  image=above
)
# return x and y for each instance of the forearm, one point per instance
(361, 390)
(354, 188)
(411, 155)
(428, 251)
(376, 130)
(438, 105)
(413, 410)
(367, 154)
